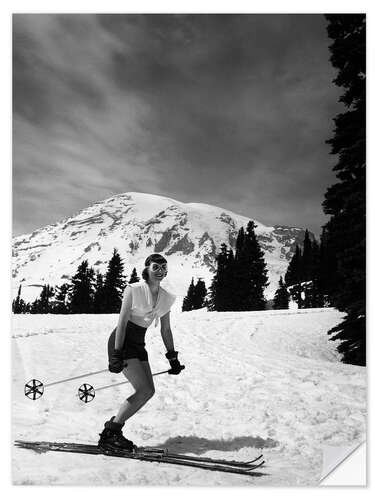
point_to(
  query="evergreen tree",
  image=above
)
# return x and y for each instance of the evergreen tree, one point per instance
(61, 296)
(229, 286)
(98, 301)
(240, 292)
(44, 301)
(18, 304)
(26, 307)
(187, 303)
(240, 278)
(134, 277)
(281, 298)
(293, 273)
(307, 259)
(218, 300)
(114, 284)
(35, 307)
(317, 296)
(293, 277)
(327, 269)
(200, 293)
(42, 304)
(345, 201)
(239, 243)
(81, 293)
(251, 278)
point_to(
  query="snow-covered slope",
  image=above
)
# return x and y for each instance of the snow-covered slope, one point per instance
(254, 382)
(137, 224)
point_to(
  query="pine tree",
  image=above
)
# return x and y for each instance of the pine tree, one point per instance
(229, 287)
(238, 300)
(114, 284)
(218, 299)
(42, 304)
(18, 304)
(253, 280)
(81, 293)
(293, 277)
(237, 270)
(327, 269)
(317, 296)
(98, 302)
(26, 307)
(134, 277)
(345, 201)
(200, 293)
(61, 297)
(239, 242)
(307, 258)
(293, 273)
(281, 298)
(44, 300)
(187, 303)
(35, 307)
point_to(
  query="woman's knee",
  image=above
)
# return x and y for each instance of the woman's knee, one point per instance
(145, 393)
(149, 392)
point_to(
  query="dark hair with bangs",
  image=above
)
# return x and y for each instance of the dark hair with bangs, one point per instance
(154, 257)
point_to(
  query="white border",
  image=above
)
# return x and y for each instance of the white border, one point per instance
(199, 6)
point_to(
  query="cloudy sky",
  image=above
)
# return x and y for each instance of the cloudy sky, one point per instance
(231, 110)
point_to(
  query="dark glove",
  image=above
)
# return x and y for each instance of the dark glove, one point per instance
(176, 367)
(116, 362)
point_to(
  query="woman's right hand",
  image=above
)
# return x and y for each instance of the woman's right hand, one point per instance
(116, 362)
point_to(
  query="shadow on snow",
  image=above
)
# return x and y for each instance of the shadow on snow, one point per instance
(198, 445)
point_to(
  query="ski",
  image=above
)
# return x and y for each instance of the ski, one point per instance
(164, 452)
(209, 460)
(158, 452)
(143, 454)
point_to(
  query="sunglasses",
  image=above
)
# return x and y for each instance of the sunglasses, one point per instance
(154, 267)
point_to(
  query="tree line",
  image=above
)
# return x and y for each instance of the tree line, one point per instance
(196, 296)
(239, 280)
(87, 292)
(305, 280)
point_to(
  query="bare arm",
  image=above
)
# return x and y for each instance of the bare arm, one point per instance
(166, 332)
(123, 318)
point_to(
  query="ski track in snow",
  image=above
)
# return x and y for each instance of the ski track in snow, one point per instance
(255, 382)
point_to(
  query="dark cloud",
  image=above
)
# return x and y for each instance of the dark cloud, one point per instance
(113, 103)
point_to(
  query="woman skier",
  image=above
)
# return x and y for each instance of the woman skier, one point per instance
(141, 304)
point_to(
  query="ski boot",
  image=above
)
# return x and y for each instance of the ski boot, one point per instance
(112, 439)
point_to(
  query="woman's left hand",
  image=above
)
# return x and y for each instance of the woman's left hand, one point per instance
(176, 366)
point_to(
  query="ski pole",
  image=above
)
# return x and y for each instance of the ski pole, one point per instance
(86, 392)
(126, 381)
(34, 389)
(75, 378)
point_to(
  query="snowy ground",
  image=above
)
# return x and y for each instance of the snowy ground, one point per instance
(267, 382)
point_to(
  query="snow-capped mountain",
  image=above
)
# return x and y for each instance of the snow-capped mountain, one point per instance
(137, 224)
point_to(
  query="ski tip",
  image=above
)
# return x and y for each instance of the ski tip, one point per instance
(255, 459)
(256, 467)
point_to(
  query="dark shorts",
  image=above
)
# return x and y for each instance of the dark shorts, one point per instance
(134, 346)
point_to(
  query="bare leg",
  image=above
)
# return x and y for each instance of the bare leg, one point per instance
(147, 370)
(137, 374)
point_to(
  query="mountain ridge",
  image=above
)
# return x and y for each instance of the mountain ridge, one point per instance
(137, 224)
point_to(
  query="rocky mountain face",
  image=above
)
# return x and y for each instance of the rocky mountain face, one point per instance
(137, 224)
